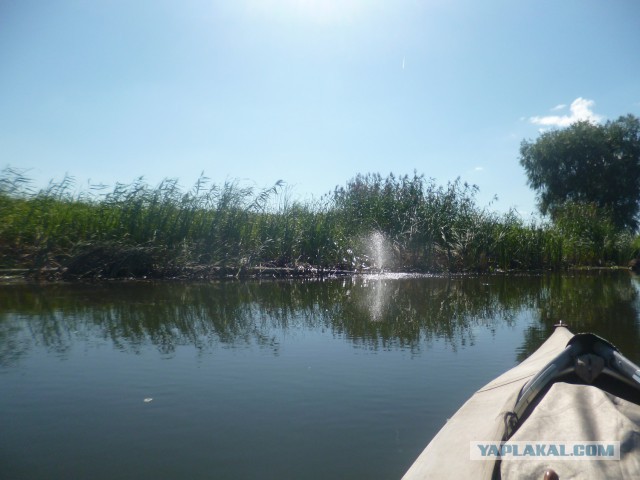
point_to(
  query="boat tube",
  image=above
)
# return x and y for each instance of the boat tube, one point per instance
(574, 396)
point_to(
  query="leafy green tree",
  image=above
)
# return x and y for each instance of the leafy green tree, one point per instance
(588, 163)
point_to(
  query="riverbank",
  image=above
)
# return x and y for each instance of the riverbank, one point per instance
(206, 273)
(202, 272)
(403, 224)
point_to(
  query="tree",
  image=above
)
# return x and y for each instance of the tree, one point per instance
(588, 163)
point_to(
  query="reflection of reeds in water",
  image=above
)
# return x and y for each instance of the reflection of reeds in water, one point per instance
(373, 312)
(409, 223)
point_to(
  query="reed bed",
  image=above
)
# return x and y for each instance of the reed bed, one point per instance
(135, 230)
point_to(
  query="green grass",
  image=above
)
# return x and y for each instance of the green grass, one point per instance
(139, 230)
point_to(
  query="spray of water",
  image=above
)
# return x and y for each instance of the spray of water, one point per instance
(378, 247)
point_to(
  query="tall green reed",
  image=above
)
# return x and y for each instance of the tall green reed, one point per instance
(167, 230)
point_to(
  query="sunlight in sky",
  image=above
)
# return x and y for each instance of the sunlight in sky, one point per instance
(325, 12)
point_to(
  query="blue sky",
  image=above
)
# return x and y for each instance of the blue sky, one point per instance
(308, 91)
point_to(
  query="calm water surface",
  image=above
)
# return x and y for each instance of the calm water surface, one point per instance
(340, 378)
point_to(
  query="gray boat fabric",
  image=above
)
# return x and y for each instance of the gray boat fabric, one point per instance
(481, 418)
(575, 413)
(566, 413)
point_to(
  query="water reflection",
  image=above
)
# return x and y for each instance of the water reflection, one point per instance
(386, 310)
(374, 312)
(607, 304)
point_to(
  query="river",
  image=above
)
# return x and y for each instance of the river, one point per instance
(326, 378)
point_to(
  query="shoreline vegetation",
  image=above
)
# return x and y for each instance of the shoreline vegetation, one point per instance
(373, 223)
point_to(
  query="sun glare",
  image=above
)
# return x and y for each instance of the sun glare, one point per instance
(316, 11)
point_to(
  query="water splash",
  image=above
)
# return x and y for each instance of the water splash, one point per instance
(379, 251)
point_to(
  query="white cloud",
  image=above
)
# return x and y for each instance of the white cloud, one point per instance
(559, 107)
(478, 169)
(579, 110)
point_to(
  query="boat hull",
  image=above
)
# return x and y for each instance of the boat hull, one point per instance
(481, 418)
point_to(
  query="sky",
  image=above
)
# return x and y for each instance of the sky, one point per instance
(309, 92)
